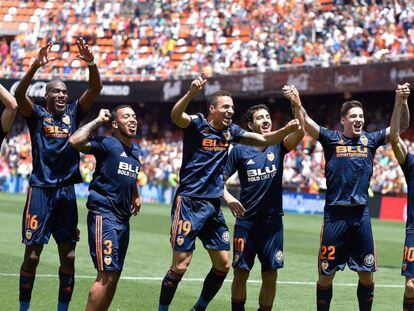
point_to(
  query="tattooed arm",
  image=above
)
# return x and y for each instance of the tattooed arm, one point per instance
(79, 139)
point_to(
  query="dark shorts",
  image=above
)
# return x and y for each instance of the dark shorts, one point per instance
(346, 238)
(407, 268)
(50, 211)
(203, 218)
(263, 238)
(108, 241)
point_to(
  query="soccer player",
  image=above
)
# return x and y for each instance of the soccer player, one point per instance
(259, 227)
(51, 202)
(196, 208)
(400, 118)
(112, 192)
(9, 112)
(346, 235)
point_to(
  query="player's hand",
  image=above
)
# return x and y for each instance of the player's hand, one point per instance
(42, 57)
(402, 92)
(136, 206)
(197, 85)
(237, 209)
(292, 126)
(85, 52)
(104, 115)
(292, 93)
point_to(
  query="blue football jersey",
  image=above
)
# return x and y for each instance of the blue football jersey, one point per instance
(204, 156)
(260, 174)
(408, 170)
(55, 162)
(115, 176)
(349, 165)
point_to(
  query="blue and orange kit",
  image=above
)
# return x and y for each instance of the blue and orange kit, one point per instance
(349, 165)
(204, 157)
(115, 176)
(55, 162)
(260, 174)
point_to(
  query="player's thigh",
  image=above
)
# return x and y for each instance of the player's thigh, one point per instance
(362, 249)
(181, 261)
(407, 268)
(64, 218)
(108, 241)
(215, 234)
(187, 218)
(270, 249)
(333, 251)
(243, 247)
(36, 216)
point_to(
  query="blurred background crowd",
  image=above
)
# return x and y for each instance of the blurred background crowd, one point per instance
(162, 39)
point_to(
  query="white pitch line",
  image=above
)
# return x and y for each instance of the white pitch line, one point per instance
(148, 278)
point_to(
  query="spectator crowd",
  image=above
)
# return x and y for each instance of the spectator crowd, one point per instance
(160, 39)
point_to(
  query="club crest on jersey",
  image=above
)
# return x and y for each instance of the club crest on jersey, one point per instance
(66, 119)
(107, 260)
(225, 236)
(279, 256)
(341, 142)
(364, 140)
(227, 135)
(28, 234)
(369, 260)
(270, 156)
(324, 265)
(180, 240)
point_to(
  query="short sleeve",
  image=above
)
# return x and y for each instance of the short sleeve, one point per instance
(196, 121)
(379, 138)
(38, 112)
(283, 150)
(231, 164)
(325, 135)
(79, 113)
(237, 133)
(98, 145)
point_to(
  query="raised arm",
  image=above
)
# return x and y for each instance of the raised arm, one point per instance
(291, 93)
(178, 114)
(24, 104)
(9, 102)
(272, 138)
(293, 139)
(400, 116)
(79, 139)
(95, 84)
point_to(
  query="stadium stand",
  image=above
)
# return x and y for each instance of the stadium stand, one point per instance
(141, 40)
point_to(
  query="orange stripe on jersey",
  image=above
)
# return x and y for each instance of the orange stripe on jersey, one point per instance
(27, 207)
(176, 220)
(375, 253)
(320, 244)
(98, 242)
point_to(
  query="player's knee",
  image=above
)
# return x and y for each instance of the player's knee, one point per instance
(108, 278)
(409, 287)
(180, 268)
(269, 278)
(325, 280)
(31, 261)
(240, 275)
(366, 277)
(68, 261)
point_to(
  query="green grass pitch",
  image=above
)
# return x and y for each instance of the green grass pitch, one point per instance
(149, 257)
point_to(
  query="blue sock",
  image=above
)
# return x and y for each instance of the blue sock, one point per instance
(24, 305)
(62, 306)
(162, 308)
(202, 303)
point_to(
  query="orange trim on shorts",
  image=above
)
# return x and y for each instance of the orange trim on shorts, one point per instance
(27, 207)
(320, 244)
(98, 242)
(176, 220)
